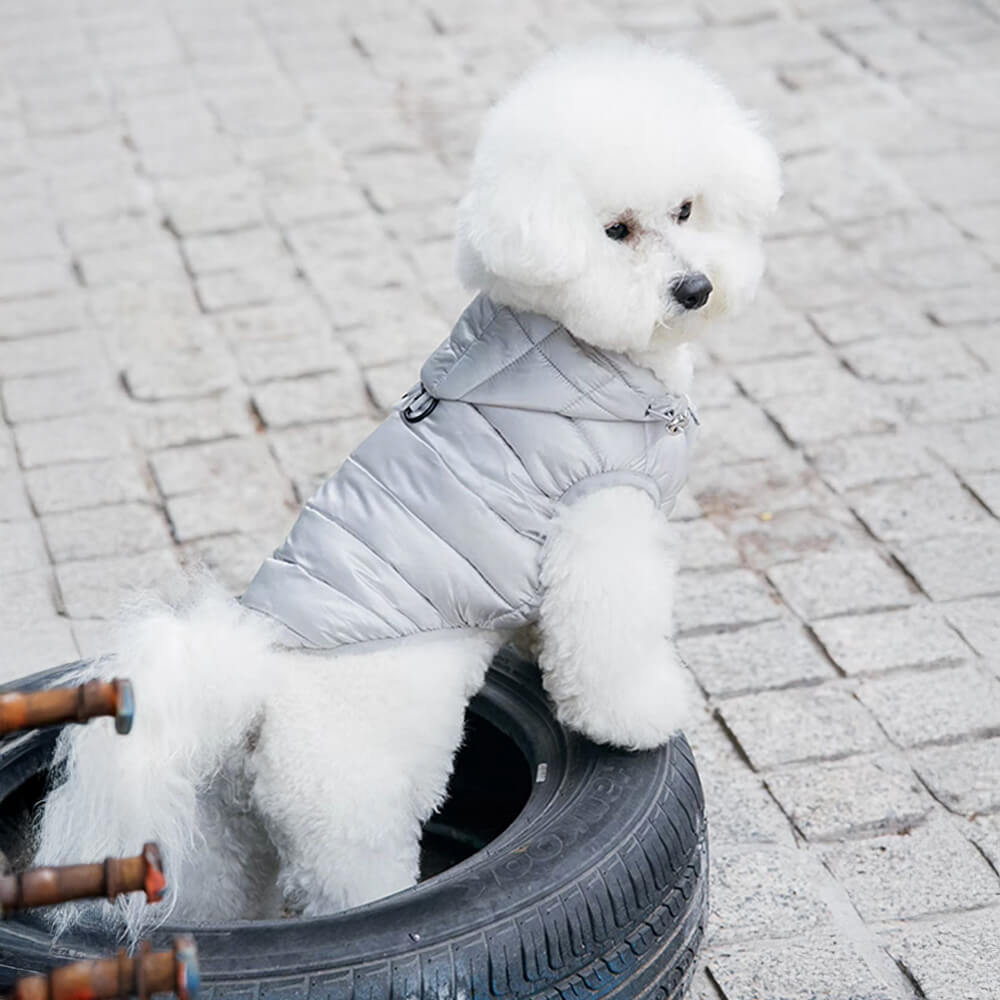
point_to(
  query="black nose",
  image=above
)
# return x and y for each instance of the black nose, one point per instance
(692, 291)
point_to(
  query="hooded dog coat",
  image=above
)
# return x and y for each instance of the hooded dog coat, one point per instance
(437, 520)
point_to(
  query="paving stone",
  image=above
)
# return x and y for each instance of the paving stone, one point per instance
(172, 423)
(986, 487)
(173, 375)
(967, 447)
(769, 330)
(704, 546)
(786, 535)
(848, 322)
(93, 637)
(22, 547)
(945, 400)
(310, 454)
(120, 530)
(832, 583)
(48, 352)
(775, 654)
(963, 564)
(33, 277)
(979, 623)
(231, 559)
(226, 251)
(978, 304)
(85, 437)
(964, 777)
(46, 643)
(917, 708)
(13, 499)
(219, 204)
(914, 637)
(797, 970)
(765, 892)
(800, 724)
(398, 329)
(97, 588)
(115, 232)
(852, 798)
(134, 264)
(75, 485)
(249, 507)
(255, 284)
(387, 383)
(906, 359)
(266, 360)
(738, 807)
(43, 396)
(730, 598)
(868, 459)
(937, 955)
(311, 398)
(984, 832)
(39, 315)
(931, 869)
(781, 482)
(764, 380)
(860, 409)
(220, 464)
(736, 432)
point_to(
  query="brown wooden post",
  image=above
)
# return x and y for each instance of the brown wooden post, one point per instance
(149, 972)
(45, 886)
(28, 710)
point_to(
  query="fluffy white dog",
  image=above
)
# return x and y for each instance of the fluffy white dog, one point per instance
(288, 747)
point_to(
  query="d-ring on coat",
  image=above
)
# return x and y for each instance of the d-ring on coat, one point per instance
(437, 520)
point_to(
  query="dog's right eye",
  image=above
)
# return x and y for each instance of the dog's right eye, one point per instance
(617, 231)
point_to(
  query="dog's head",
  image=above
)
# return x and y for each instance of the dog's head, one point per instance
(620, 190)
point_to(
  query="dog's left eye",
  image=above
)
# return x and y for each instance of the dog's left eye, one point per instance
(617, 231)
(684, 212)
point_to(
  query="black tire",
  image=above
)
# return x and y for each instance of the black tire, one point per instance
(598, 888)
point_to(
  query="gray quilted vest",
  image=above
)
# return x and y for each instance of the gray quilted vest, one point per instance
(437, 520)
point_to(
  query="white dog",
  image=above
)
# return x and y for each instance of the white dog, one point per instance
(287, 748)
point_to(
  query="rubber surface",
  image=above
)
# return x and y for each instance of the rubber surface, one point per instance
(597, 889)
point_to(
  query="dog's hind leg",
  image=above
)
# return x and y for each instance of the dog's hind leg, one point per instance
(353, 756)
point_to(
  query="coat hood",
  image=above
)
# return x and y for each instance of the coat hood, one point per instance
(498, 357)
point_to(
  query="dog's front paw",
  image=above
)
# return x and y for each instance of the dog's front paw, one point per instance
(634, 714)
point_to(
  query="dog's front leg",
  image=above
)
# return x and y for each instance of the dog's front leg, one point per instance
(607, 658)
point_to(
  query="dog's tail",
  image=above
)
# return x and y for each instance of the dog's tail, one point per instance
(200, 675)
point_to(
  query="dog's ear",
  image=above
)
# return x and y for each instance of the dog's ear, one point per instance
(524, 226)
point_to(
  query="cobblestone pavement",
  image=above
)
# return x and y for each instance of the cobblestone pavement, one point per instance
(216, 215)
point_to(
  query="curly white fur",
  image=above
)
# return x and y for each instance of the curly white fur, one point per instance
(277, 778)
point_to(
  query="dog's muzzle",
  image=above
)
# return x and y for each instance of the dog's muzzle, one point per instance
(692, 290)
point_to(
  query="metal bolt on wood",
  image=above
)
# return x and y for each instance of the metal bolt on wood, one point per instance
(149, 972)
(81, 703)
(45, 886)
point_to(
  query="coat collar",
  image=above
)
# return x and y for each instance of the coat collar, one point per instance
(497, 356)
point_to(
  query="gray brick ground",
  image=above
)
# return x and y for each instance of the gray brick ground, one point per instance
(781, 727)
(937, 956)
(913, 637)
(964, 777)
(934, 707)
(214, 275)
(962, 564)
(818, 965)
(852, 798)
(931, 869)
(776, 654)
(841, 582)
(746, 880)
